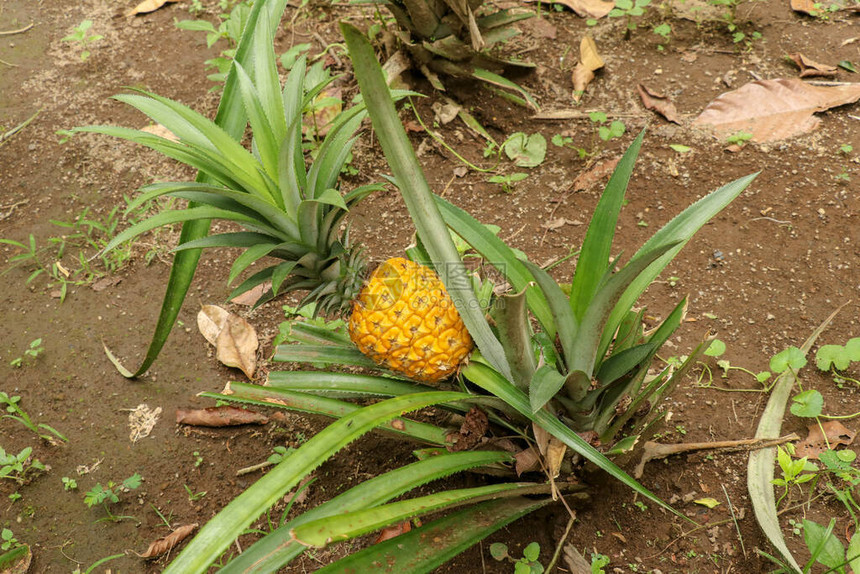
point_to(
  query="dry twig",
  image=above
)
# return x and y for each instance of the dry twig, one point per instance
(654, 450)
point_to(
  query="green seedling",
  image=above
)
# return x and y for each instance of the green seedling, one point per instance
(230, 29)
(732, 26)
(739, 138)
(629, 9)
(19, 467)
(8, 540)
(528, 564)
(607, 130)
(663, 30)
(13, 407)
(598, 561)
(81, 37)
(194, 496)
(34, 350)
(198, 459)
(836, 359)
(508, 181)
(716, 349)
(69, 483)
(106, 495)
(794, 472)
(846, 149)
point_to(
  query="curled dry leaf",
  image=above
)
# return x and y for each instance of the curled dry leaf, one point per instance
(805, 7)
(237, 345)
(773, 109)
(527, 460)
(169, 542)
(810, 68)
(587, 179)
(210, 320)
(814, 444)
(223, 416)
(589, 62)
(148, 6)
(251, 296)
(471, 432)
(595, 9)
(657, 102)
(393, 531)
(234, 338)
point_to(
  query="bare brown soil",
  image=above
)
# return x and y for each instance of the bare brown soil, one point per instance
(762, 275)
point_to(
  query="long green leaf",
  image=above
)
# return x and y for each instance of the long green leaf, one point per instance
(492, 382)
(512, 324)
(217, 535)
(597, 245)
(232, 119)
(324, 531)
(418, 197)
(761, 461)
(451, 535)
(498, 254)
(584, 351)
(679, 230)
(277, 549)
(327, 406)
(175, 216)
(342, 384)
(562, 315)
(323, 354)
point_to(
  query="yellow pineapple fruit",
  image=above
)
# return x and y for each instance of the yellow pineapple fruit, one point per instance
(405, 321)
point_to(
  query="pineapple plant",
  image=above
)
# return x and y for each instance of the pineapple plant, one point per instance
(401, 316)
(580, 364)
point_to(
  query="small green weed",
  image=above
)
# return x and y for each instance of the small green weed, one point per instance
(508, 181)
(739, 138)
(194, 496)
(82, 38)
(629, 9)
(528, 564)
(106, 495)
(18, 414)
(598, 561)
(8, 540)
(69, 483)
(19, 467)
(33, 350)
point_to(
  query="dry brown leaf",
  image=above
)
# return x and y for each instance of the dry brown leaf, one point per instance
(554, 455)
(473, 429)
(106, 282)
(657, 102)
(810, 68)
(148, 6)
(393, 531)
(237, 345)
(589, 62)
(588, 178)
(169, 542)
(251, 296)
(210, 320)
(773, 109)
(223, 416)
(814, 444)
(595, 9)
(804, 6)
(527, 460)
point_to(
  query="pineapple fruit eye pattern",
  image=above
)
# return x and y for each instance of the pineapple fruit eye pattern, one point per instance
(405, 321)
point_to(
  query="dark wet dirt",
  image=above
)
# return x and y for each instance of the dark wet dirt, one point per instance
(762, 275)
